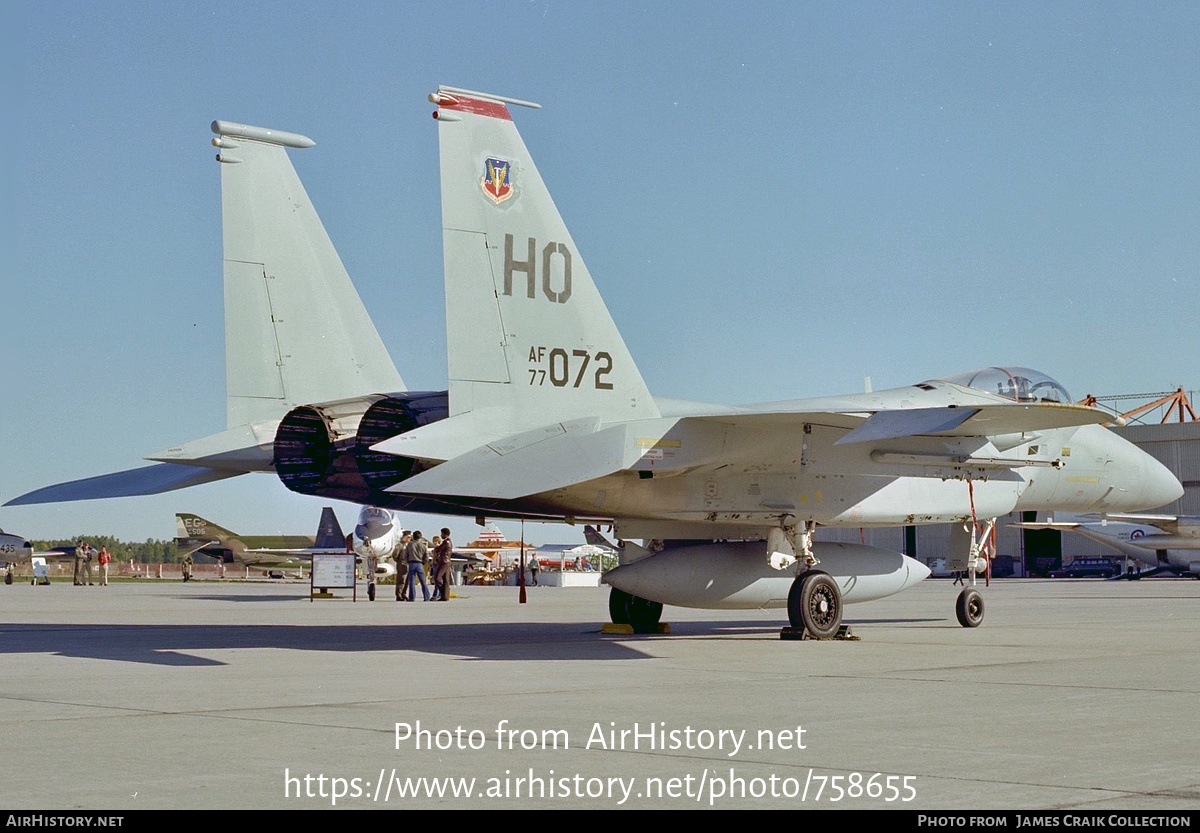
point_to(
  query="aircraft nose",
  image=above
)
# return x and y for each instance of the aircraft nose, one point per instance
(1159, 485)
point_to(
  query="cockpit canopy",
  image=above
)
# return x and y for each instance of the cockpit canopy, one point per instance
(1020, 384)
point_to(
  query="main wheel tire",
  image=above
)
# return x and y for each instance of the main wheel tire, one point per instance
(371, 591)
(969, 608)
(644, 615)
(617, 602)
(815, 604)
(641, 614)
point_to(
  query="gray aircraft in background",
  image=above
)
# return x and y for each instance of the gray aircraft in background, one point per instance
(375, 534)
(1164, 543)
(14, 548)
(546, 415)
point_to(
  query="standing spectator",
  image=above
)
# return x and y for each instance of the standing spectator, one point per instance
(442, 554)
(105, 559)
(415, 554)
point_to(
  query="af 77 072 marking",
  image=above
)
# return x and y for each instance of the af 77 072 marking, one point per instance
(559, 364)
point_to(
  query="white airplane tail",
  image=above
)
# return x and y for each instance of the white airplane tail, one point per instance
(529, 339)
(295, 329)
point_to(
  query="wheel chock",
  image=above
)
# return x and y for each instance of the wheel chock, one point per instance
(791, 633)
(627, 630)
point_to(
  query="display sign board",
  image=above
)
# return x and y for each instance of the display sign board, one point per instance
(331, 570)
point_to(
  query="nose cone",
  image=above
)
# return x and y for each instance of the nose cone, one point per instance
(1159, 485)
(1140, 481)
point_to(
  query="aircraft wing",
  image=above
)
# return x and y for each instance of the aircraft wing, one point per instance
(561, 455)
(1128, 548)
(1185, 526)
(284, 557)
(973, 421)
(475, 556)
(297, 554)
(57, 554)
(1062, 526)
(147, 480)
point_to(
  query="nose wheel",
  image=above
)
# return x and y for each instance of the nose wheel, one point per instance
(815, 604)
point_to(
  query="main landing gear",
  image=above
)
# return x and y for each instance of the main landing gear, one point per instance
(814, 601)
(640, 614)
(815, 604)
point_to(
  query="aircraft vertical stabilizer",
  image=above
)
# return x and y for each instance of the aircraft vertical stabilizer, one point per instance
(329, 531)
(295, 329)
(188, 525)
(529, 339)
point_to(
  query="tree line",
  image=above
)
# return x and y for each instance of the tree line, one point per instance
(151, 551)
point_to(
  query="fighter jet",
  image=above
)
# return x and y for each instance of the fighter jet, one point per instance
(270, 553)
(375, 534)
(546, 415)
(16, 550)
(1171, 544)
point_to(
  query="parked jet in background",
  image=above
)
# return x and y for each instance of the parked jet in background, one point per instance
(270, 553)
(548, 417)
(14, 548)
(1165, 543)
(374, 535)
(17, 550)
(377, 534)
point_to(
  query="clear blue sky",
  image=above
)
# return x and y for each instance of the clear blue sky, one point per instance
(776, 200)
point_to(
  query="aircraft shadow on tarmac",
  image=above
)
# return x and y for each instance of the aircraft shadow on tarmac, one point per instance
(263, 598)
(171, 644)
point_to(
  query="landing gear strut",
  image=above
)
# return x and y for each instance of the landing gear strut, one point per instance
(640, 614)
(981, 547)
(815, 604)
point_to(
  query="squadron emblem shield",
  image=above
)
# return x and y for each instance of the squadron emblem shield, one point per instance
(497, 179)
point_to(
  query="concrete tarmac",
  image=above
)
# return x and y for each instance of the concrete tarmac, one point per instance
(155, 694)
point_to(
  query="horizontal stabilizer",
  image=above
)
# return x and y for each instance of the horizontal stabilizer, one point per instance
(548, 458)
(148, 480)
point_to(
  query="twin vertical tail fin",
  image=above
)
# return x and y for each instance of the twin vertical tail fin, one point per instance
(329, 531)
(296, 331)
(529, 339)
